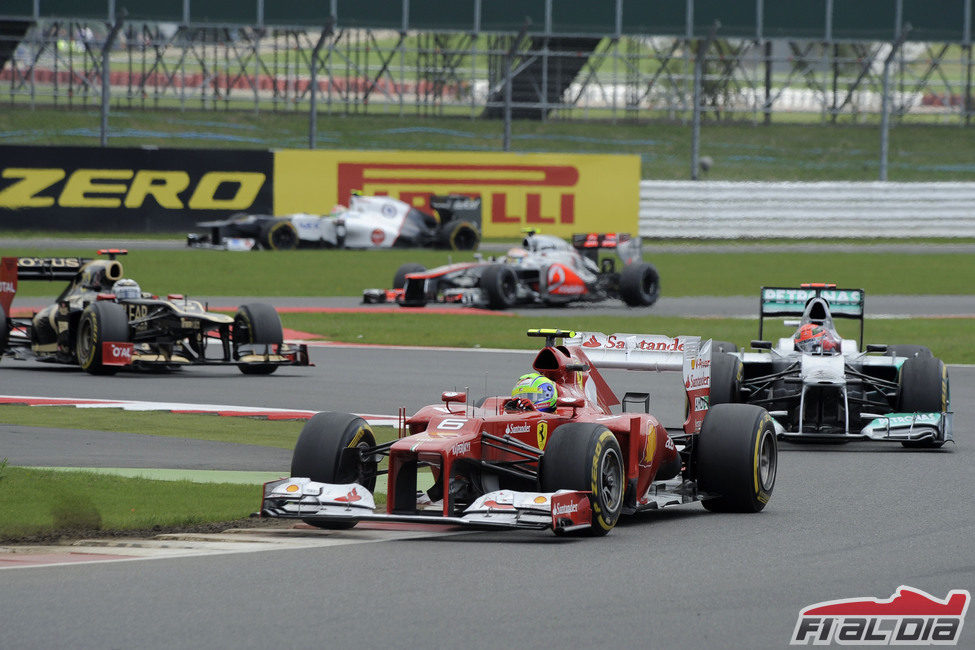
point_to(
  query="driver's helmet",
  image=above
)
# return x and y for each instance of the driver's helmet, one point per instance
(126, 289)
(538, 389)
(516, 255)
(816, 339)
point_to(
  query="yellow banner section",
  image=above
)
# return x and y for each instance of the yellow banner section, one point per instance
(558, 194)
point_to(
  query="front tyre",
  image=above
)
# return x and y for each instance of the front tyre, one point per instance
(100, 322)
(278, 235)
(329, 450)
(500, 285)
(257, 325)
(639, 285)
(736, 458)
(924, 389)
(399, 278)
(586, 457)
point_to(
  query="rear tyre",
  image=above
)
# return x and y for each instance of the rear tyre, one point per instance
(4, 331)
(100, 322)
(462, 236)
(278, 235)
(399, 279)
(587, 457)
(500, 284)
(726, 373)
(924, 389)
(259, 325)
(909, 351)
(723, 346)
(329, 451)
(639, 285)
(737, 457)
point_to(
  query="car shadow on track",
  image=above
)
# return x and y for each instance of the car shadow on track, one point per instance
(861, 447)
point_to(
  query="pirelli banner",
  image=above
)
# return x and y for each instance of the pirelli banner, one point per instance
(169, 190)
(558, 194)
(128, 189)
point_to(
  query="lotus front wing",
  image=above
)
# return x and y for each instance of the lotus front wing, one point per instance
(323, 503)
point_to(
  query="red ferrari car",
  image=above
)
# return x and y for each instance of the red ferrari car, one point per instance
(505, 463)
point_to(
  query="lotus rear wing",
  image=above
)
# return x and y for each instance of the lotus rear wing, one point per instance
(791, 301)
(13, 269)
(687, 354)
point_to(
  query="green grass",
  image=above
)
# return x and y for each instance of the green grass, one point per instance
(810, 152)
(347, 273)
(238, 430)
(40, 502)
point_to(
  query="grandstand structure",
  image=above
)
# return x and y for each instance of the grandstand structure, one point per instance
(751, 60)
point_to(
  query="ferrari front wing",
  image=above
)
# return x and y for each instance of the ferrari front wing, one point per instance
(302, 498)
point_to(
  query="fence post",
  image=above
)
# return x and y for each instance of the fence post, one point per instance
(106, 77)
(885, 101)
(698, 74)
(313, 111)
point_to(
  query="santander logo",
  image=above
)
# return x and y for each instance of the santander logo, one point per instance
(591, 342)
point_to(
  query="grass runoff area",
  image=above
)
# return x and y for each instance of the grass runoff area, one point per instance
(44, 504)
(809, 151)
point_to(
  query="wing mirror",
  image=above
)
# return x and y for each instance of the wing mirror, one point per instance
(876, 347)
(762, 345)
(452, 396)
(574, 402)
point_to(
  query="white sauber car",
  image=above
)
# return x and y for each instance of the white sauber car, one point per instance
(820, 387)
(368, 222)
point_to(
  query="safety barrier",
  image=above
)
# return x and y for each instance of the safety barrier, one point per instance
(731, 210)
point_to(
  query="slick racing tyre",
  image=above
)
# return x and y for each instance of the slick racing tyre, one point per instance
(736, 458)
(500, 285)
(461, 236)
(100, 322)
(587, 457)
(4, 332)
(257, 326)
(924, 389)
(909, 351)
(278, 235)
(399, 279)
(639, 285)
(329, 451)
(726, 374)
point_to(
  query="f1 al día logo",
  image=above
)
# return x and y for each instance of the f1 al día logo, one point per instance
(909, 617)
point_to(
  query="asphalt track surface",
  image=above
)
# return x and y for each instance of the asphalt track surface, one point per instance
(854, 520)
(879, 306)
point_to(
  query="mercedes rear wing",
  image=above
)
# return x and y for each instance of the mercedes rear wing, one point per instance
(687, 354)
(792, 301)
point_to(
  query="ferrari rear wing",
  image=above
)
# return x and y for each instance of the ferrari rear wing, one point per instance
(687, 354)
(792, 301)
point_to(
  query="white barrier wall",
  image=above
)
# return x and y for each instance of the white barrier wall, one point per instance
(729, 210)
